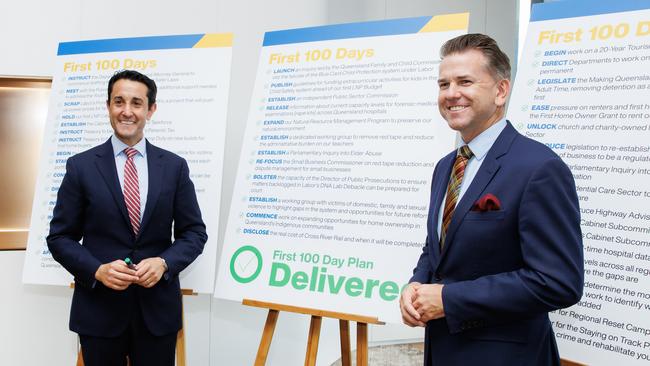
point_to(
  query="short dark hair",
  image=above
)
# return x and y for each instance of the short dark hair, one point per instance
(134, 76)
(498, 62)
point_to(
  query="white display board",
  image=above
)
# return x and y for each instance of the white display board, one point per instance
(583, 88)
(332, 192)
(192, 73)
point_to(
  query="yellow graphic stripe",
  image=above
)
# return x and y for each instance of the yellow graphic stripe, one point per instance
(211, 40)
(447, 22)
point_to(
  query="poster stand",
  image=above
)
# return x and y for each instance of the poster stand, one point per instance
(180, 336)
(314, 332)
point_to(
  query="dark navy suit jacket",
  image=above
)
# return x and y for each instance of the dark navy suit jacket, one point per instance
(504, 270)
(90, 208)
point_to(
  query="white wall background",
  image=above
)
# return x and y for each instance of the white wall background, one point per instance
(34, 319)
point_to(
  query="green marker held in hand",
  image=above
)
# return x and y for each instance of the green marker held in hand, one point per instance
(129, 263)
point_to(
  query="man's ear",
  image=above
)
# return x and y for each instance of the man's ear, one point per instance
(503, 90)
(151, 110)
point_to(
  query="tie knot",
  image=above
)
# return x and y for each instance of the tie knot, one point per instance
(465, 152)
(130, 152)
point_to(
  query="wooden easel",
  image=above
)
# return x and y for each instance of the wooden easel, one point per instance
(566, 362)
(180, 336)
(314, 332)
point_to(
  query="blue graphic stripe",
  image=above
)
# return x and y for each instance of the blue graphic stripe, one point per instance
(342, 31)
(580, 8)
(129, 44)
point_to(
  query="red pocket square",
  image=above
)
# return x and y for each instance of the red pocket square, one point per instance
(489, 202)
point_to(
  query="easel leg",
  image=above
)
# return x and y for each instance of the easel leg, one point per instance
(180, 348)
(267, 337)
(312, 340)
(180, 339)
(362, 344)
(80, 359)
(344, 328)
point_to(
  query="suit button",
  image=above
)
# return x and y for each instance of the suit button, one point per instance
(437, 278)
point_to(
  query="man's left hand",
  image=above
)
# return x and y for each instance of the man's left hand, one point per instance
(428, 302)
(410, 315)
(150, 271)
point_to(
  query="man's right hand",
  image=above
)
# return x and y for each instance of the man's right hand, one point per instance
(410, 315)
(116, 275)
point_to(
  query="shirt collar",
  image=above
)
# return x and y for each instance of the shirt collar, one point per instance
(119, 146)
(482, 143)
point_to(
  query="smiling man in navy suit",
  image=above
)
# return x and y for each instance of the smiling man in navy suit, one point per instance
(125, 199)
(504, 245)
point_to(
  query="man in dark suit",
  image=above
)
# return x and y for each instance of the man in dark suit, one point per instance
(122, 199)
(504, 245)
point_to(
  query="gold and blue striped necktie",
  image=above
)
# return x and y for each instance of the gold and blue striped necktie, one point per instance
(453, 189)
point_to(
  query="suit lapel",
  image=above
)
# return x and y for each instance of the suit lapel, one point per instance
(483, 177)
(439, 188)
(156, 168)
(105, 163)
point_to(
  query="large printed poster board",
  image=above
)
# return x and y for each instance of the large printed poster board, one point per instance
(330, 203)
(192, 73)
(583, 88)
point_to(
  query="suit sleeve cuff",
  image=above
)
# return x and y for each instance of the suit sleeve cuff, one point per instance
(456, 322)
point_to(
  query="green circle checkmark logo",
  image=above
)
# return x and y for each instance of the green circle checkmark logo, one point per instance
(246, 264)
